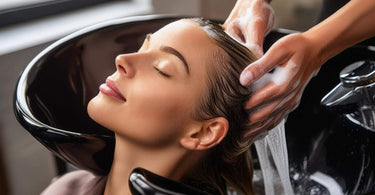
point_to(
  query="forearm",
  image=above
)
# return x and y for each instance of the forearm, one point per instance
(353, 23)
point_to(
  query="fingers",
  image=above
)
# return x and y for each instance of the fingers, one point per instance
(253, 72)
(279, 54)
(254, 36)
(235, 31)
(270, 117)
(271, 19)
(263, 65)
(264, 112)
(266, 125)
(236, 12)
(260, 129)
(260, 21)
(273, 91)
(249, 22)
(273, 122)
(255, 27)
(251, 35)
(275, 108)
(255, 130)
(266, 93)
(274, 104)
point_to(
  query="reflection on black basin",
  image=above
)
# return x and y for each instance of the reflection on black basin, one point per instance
(53, 92)
(324, 140)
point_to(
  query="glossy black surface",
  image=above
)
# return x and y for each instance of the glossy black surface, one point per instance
(53, 92)
(143, 182)
(321, 139)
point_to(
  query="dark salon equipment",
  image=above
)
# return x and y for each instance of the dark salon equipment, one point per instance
(143, 182)
(53, 91)
(357, 91)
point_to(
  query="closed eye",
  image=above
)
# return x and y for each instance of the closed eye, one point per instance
(162, 73)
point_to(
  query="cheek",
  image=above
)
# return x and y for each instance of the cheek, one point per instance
(163, 101)
(156, 114)
(161, 107)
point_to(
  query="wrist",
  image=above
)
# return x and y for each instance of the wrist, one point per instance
(348, 26)
(316, 48)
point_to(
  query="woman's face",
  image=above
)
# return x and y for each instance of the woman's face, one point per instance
(151, 96)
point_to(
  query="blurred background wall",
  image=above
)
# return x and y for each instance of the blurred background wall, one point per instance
(26, 167)
(290, 14)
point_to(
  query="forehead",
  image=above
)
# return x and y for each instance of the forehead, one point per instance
(184, 30)
(190, 40)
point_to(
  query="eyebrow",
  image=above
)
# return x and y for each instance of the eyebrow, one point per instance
(172, 51)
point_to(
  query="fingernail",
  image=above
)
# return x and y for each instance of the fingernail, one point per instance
(246, 77)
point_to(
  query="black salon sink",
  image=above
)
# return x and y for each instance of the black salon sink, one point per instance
(52, 94)
(321, 139)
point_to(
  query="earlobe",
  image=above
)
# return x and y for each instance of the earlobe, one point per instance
(207, 136)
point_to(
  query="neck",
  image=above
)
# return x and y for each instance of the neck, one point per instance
(171, 162)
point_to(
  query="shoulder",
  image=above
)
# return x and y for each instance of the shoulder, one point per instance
(76, 182)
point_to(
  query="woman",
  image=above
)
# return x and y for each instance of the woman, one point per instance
(177, 109)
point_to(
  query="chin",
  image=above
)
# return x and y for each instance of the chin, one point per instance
(94, 109)
(99, 111)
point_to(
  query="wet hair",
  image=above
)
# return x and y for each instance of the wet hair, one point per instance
(229, 163)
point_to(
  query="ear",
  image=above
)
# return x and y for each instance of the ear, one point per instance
(207, 135)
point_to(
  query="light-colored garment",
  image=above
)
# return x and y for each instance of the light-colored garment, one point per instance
(77, 183)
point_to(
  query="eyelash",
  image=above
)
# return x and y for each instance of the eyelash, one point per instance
(162, 73)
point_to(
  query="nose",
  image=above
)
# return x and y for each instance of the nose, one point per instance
(124, 65)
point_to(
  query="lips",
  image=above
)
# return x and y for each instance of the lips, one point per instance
(109, 88)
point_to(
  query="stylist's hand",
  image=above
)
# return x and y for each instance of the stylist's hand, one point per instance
(296, 60)
(249, 22)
